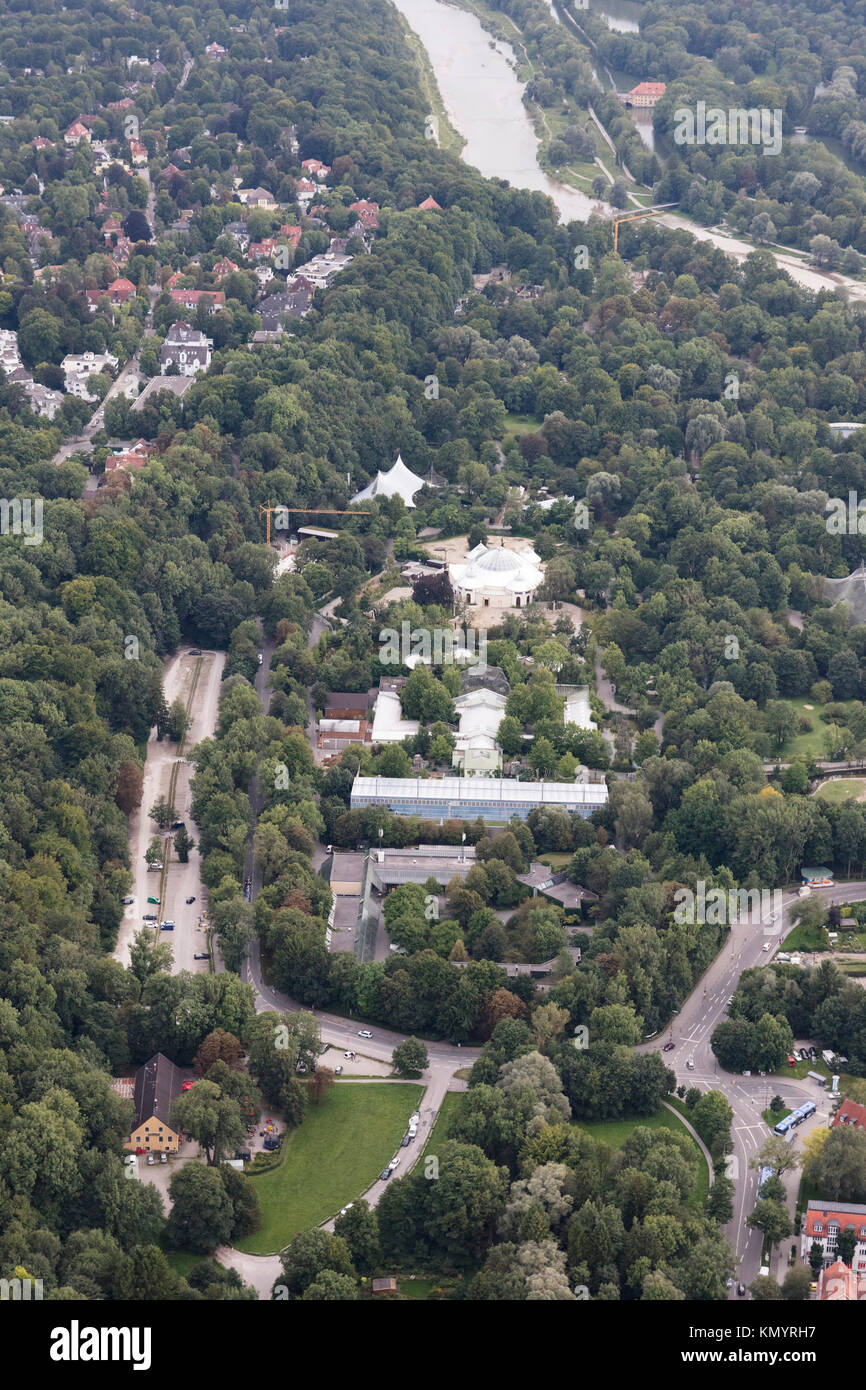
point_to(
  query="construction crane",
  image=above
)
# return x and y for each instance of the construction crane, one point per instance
(634, 216)
(309, 511)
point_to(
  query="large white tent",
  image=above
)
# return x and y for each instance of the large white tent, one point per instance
(399, 481)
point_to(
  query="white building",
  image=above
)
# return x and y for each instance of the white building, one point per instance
(577, 707)
(42, 399)
(389, 726)
(79, 367)
(493, 577)
(480, 713)
(399, 481)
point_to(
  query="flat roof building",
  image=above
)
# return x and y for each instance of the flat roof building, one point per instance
(494, 799)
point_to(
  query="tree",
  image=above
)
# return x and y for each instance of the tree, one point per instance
(218, 1046)
(816, 1258)
(163, 812)
(307, 1257)
(846, 1245)
(410, 1058)
(183, 843)
(202, 1213)
(331, 1287)
(796, 1284)
(320, 1083)
(212, 1116)
(359, 1228)
(720, 1202)
(839, 1170)
(771, 1217)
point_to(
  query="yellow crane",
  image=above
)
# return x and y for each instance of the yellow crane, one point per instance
(309, 511)
(634, 216)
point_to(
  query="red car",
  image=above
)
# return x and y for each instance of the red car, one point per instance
(187, 1085)
(792, 1061)
(141, 1151)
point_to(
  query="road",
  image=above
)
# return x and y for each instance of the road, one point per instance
(185, 676)
(691, 1033)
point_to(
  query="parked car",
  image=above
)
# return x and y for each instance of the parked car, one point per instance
(338, 1070)
(741, 1291)
(406, 1141)
(350, 1056)
(157, 901)
(394, 1162)
(767, 946)
(149, 917)
(202, 955)
(385, 1174)
(187, 1085)
(792, 1061)
(163, 1158)
(178, 825)
(127, 901)
(347, 1207)
(151, 1159)
(364, 1033)
(130, 1161)
(260, 658)
(195, 651)
(166, 926)
(729, 1283)
(190, 900)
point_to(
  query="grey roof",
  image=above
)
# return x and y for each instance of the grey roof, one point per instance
(157, 1083)
(480, 789)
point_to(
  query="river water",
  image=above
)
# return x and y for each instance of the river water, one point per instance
(484, 100)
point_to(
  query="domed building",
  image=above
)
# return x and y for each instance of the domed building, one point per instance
(493, 577)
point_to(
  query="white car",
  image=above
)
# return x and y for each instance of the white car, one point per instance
(767, 946)
(364, 1033)
(350, 1056)
(129, 1160)
(394, 1162)
(347, 1207)
(127, 901)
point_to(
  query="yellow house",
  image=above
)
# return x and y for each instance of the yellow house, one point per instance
(157, 1083)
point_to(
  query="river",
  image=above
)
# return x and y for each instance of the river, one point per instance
(484, 100)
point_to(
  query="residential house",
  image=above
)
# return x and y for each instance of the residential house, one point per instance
(343, 704)
(122, 105)
(850, 1113)
(293, 303)
(190, 298)
(42, 399)
(76, 133)
(256, 198)
(185, 348)
(238, 232)
(822, 1223)
(367, 214)
(223, 268)
(291, 233)
(129, 456)
(157, 1084)
(216, 50)
(40, 143)
(305, 192)
(79, 367)
(430, 205)
(262, 250)
(121, 290)
(316, 169)
(138, 153)
(111, 227)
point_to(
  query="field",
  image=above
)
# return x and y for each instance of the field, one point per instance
(805, 938)
(521, 424)
(443, 1119)
(333, 1157)
(810, 744)
(842, 789)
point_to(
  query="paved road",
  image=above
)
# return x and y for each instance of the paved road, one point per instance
(181, 880)
(691, 1033)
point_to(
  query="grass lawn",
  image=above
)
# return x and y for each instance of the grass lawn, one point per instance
(439, 1132)
(422, 1288)
(521, 424)
(556, 859)
(331, 1159)
(772, 1117)
(615, 1132)
(841, 789)
(811, 743)
(805, 938)
(182, 1261)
